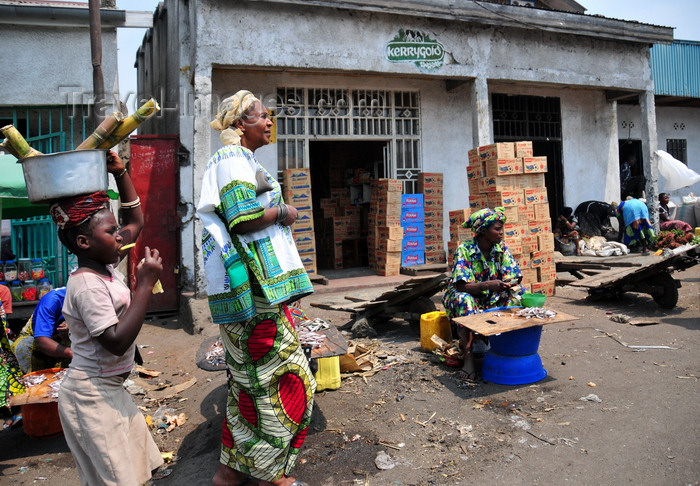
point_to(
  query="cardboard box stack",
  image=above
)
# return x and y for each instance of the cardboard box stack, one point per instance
(413, 224)
(508, 175)
(385, 235)
(431, 186)
(458, 233)
(297, 192)
(339, 221)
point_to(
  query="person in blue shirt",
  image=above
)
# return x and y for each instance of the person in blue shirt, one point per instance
(638, 232)
(43, 342)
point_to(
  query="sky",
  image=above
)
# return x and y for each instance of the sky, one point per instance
(681, 14)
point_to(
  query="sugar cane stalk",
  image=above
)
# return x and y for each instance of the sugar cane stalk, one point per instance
(131, 123)
(102, 132)
(16, 144)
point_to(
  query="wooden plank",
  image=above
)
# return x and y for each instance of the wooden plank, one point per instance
(335, 344)
(428, 267)
(567, 267)
(319, 279)
(416, 291)
(606, 278)
(490, 323)
(357, 306)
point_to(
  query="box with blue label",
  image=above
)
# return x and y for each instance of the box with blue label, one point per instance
(294, 179)
(411, 201)
(412, 215)
(413, 244)
(413, 230)
(300, 200)
(410, 258)
(305, 242)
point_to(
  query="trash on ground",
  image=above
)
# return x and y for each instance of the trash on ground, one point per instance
(384, 461)
(165, 420)
(633, 346)
(536, 312)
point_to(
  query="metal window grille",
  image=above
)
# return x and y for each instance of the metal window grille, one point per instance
(49, 128)
(305, 114)
(678, 148)
(526, 117)
(37, 238)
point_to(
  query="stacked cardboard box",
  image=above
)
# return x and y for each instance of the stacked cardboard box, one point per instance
(339, 228)
(508, 175)
(297, 192)
(385, 235)
(431, 186)
(458, 233)
(413, 224)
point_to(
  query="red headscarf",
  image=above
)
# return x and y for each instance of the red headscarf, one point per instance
(73, 211)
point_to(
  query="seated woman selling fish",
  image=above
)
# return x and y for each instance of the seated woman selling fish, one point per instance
(484, 276)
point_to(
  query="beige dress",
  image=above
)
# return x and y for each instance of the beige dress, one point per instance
(105, 431)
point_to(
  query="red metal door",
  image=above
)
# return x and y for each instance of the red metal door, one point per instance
(154, 169)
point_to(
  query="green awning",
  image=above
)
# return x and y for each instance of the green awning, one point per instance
(13, 192)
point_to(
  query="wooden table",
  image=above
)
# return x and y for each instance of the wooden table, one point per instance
(490, 323)
(40, 393)
(513, 358)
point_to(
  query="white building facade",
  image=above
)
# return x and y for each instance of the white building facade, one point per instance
(406, 86)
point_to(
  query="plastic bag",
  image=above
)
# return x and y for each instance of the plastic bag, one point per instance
(675, 173)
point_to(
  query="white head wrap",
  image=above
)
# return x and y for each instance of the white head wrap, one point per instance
(230, 111)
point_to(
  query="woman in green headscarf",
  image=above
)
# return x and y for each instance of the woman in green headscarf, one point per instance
(484, 275)
(253, 271)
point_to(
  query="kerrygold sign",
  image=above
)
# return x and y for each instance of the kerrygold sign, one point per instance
(416, 47)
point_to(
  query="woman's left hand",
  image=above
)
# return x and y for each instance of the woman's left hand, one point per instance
(115, 164)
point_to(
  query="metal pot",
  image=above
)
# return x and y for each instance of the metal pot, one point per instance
(64, 174)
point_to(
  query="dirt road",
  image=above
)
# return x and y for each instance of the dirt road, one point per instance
(605, 414)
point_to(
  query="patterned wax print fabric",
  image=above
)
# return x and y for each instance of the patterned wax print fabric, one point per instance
(10, 372)
(470, 265)
(482, 219)
(43, 323)
(73, 211)
(638, 229)
(270, 394)
(675, 224)
(263, 263)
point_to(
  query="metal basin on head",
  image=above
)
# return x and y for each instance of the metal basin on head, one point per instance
(64, 174)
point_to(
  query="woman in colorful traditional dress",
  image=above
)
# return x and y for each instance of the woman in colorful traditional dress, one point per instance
(253, 270)
(484, 275)
(638, 232)
(665, 221)
(10, 371)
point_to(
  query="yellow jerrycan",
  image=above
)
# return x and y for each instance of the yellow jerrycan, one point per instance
(434, 323)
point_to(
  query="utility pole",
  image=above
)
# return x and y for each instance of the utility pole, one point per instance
(98, 82)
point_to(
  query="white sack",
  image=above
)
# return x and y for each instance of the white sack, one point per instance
(675, 173)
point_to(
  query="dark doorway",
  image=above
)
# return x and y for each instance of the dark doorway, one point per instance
(340, 193)
(631, 149)
(537, 119)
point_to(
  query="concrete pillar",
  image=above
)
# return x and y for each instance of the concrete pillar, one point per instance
(649, 146)
(481, 113)
(192, 228)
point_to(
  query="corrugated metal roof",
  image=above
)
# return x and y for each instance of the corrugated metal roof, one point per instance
(675, 69)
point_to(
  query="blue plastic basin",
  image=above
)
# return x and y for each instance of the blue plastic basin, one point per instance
(512, 370)
(517, 343)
